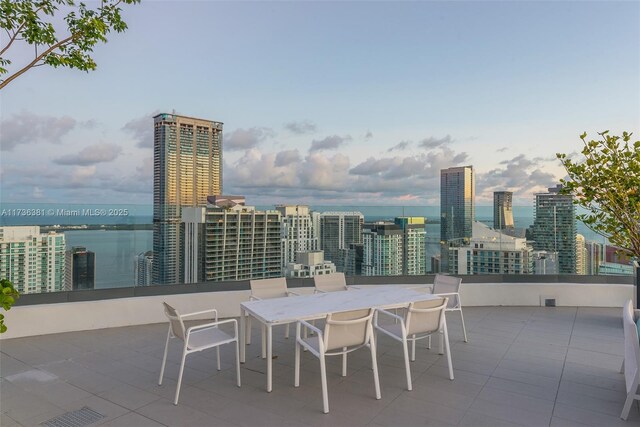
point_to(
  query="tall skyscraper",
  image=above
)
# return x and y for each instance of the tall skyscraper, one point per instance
(80, 269)
(382, 249)
(457, 203)
(351, 259)
(554, 228)
(224, 242)
(143, 268)
(414, 249)
(298, 232)
(187, 155)
(502, 210)
(34, 262)
(338, 230)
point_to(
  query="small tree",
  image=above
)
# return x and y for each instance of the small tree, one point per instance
(8, 295)
(57, 41)
(607, 184)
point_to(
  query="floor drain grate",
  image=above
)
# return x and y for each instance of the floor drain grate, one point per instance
(80, 418)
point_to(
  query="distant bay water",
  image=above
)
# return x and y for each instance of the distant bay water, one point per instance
(116, 249)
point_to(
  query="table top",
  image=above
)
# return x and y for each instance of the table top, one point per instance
(315, 306)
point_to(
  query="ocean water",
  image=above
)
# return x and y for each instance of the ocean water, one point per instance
(115, 251)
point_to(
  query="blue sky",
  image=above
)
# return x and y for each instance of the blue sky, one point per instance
(331, 102)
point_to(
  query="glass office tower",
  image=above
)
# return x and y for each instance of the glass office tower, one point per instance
(457, 203)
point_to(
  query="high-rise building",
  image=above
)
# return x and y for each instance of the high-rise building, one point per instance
(298, 232)
(143, 268)
(34, 262)
(351, 259)
(80, 268)
(491, 252)
(414, 249)
(231, 243)
(382, 249)
(595, 256)
(502, 210)
(338, 230)
(554, 228)
(187, 167)
(309, 264)
(545, 262)
(457, 203)
(581, 255)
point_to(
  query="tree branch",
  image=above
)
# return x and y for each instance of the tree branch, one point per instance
(38, 58)
(13, 38)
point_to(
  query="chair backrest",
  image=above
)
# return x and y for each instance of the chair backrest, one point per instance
(631, 346)
(348, 329)
(269, 288)
(330, 282)
(426, 316)
(177, 325)
(446, 284)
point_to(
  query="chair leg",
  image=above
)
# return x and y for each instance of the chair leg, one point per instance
(429, 342)
(248, 333)
(218, 356)
(413, 348)
(184, 356)
(405, 350)
(374, 363)
(237, 361)
(441, 334)
(344, 362)
(464, 330)
(164, 358)
(622, 367)
(627, 405)
(296, 378)
(445, 338)
(323, 378)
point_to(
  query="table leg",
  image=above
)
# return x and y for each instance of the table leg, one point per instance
(269, 358)
(243, 335)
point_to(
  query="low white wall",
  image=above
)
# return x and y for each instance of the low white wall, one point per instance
(42, 319)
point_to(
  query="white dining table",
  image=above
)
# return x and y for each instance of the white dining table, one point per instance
(280, 311)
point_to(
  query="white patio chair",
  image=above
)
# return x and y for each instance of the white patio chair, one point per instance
(343, 333)
(333, 282)
(267, 289)
(197, 338)
(421, 319)
(631, 361)
(449, 286)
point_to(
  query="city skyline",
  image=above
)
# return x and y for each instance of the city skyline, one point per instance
(339, 103)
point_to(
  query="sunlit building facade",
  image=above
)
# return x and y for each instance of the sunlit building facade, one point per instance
(502, 210)
(457, 203)
(187, 168)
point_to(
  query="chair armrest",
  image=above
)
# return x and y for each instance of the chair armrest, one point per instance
(292, 293)
(254, 298)
(446, 294)
(198, 313)
(211, 324)
(310, 326)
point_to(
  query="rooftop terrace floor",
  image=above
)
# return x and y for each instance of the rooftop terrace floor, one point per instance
(522, 366)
